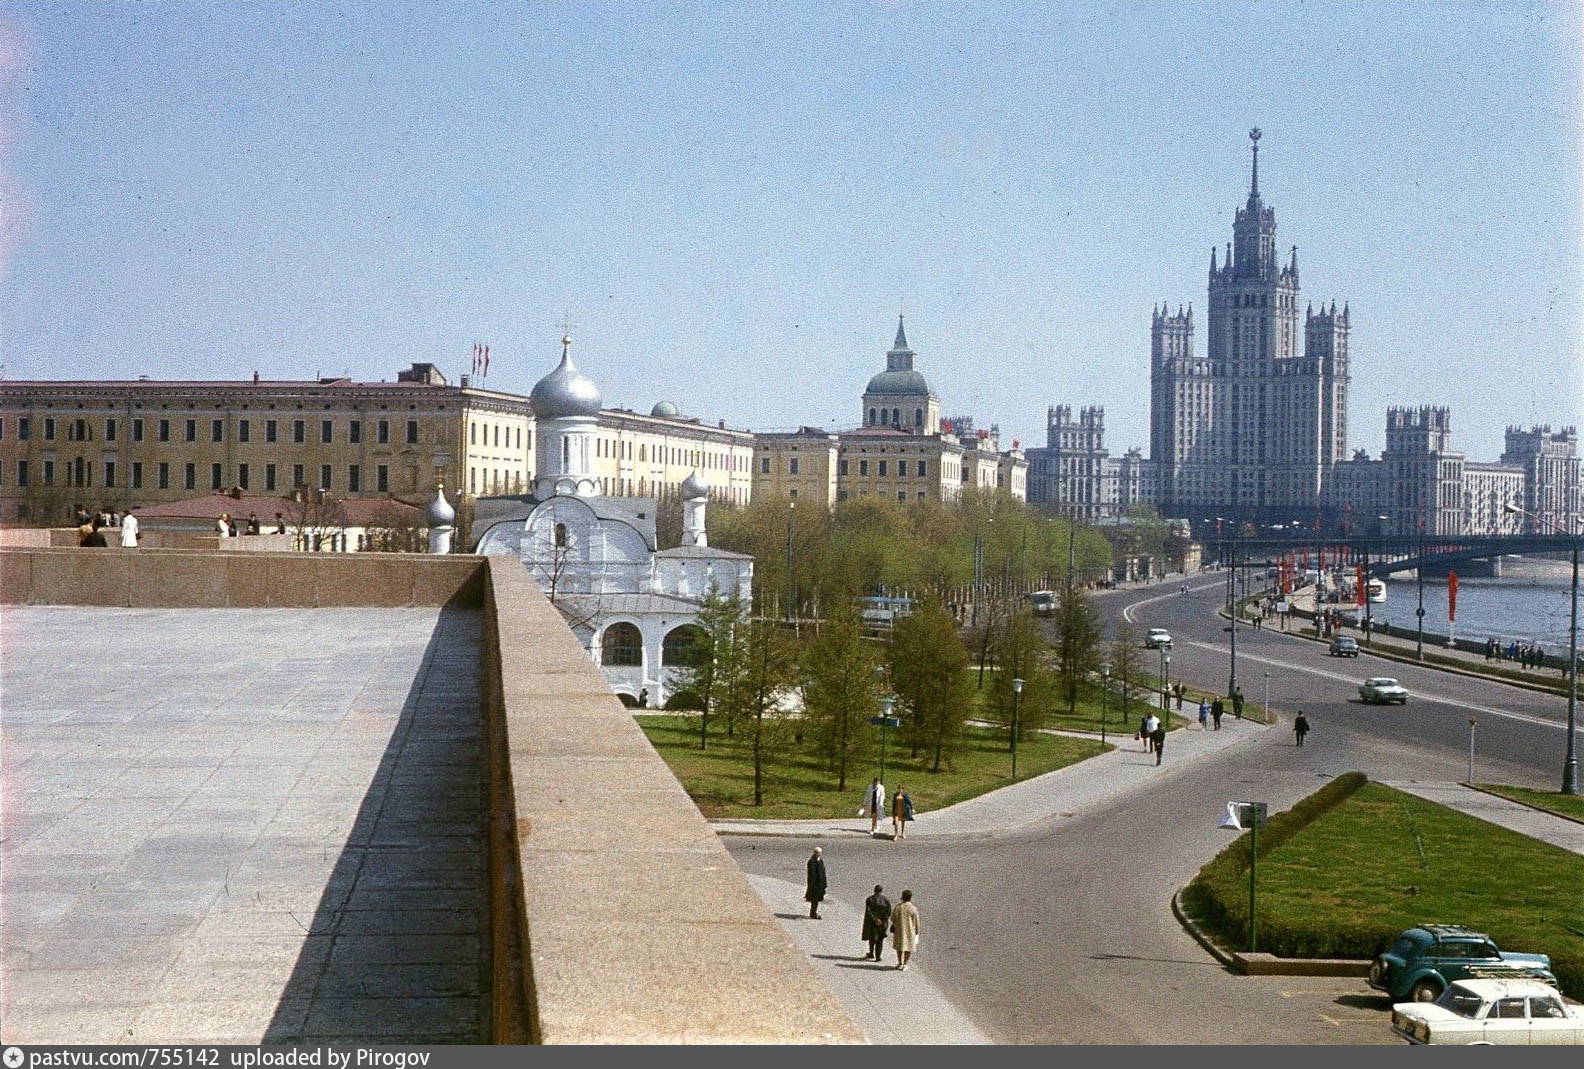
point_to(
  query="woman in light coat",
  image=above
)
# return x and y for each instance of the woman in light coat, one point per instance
(904, 929)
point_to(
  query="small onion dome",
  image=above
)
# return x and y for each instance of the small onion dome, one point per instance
(694, 488)
(665, 410)
(440, 512)
(566, 391)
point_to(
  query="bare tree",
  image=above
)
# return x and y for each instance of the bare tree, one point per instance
(396, 528)
(314, 517)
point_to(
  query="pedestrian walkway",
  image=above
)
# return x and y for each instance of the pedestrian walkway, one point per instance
(1526, 820)
(1061, 793)
(891, 1006)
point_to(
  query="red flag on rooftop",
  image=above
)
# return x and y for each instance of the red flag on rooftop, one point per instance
(1452, 597)
(486, 361)
(1361, 586)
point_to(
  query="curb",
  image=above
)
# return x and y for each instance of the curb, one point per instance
(1260, 964)
(1526, 805)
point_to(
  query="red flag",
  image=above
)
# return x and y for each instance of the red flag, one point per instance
(1452, 597)
(475, 357)
(486, 361)
(1361, 586)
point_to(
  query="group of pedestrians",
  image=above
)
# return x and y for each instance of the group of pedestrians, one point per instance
(1523, 656)
(880, 917)
(1152, 733)
(92, 528)
(875, 803)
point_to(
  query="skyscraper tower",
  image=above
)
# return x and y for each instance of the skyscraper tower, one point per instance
(1252, 429)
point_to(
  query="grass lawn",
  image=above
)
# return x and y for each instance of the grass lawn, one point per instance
(1383, 861)
(720, 779)
(1563, 805)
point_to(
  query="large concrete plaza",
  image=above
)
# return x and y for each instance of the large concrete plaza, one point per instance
(227, 825)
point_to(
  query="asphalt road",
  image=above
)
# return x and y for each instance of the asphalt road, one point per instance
(1064, 933)
(1519, 734)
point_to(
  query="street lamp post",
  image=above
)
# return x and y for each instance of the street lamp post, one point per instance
(1419, 576)
(1233, 607)
(1470, 780)
(886, 705)
(1017, 694)
(791, 511)
(1570, 761)
(1105, 694)
(1267, 695)
(1165, 674)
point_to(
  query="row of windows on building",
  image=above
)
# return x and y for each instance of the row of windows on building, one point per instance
(511, 432)
(621, 646)
(921, 467)
(879, 416)
(494, 481)
(80, 430)
(80, 473)
(614, 449)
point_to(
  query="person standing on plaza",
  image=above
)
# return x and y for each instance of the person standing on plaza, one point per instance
(1143, 732)
(876, 922)
(1182, 692)
(129, 531)
(1237, 705)
(904, 929)
(1204, 716)
(253, 523)
(1215, 714)
(280, 523)
(874, 804)
(1152, 725)
(901, 813)
(814, 891)
(1301, 727)
(223, 525)
(1158, 737)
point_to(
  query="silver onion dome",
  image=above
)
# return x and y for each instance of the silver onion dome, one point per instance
(566, 391)
(694, 488)
(440, 512)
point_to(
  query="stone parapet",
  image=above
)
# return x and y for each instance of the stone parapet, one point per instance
(630, 920)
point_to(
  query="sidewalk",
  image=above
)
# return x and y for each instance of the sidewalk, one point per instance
(890, 1006)
(1055, 794)
(1526, 820)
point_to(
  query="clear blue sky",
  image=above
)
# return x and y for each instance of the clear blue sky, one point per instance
(733, 200)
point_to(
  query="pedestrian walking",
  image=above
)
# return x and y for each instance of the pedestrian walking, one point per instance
(280, 523)
(1215, 714)
(1217, 708)
(1158, 737)
(814, 891)
(1237, 705)
(876, 922)
(905, 929)
(1152, 724)
(253, 523)
(1143, 733)
(129, 531)
(874, 804)
(1301, 727)
(1204, 716)
(901, 813)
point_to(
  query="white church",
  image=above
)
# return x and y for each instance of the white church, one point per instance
(631, 604)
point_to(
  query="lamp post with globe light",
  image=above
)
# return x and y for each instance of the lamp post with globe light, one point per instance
(1570, 761)
(1017, 694)
(1105, 694)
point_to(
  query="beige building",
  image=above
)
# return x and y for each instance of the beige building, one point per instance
(801, 466)
(651, 456)
(890, 464)
(128, 443)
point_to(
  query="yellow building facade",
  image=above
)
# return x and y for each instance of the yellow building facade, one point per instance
(651, 456)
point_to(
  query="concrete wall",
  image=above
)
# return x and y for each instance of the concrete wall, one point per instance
(171, 578)
(635, 924)
(616, 916)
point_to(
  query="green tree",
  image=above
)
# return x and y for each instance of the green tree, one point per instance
(1023, 656)
(840, 693)
(1126, 662)
(1078, 636)
(929, 675)
(769, 671)
(715, 659)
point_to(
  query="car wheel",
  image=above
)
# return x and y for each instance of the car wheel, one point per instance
(1426, 990)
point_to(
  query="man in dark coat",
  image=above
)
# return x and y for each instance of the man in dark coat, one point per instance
(877, 921)
(814, 893)
(1159, 739)
(1301, 727)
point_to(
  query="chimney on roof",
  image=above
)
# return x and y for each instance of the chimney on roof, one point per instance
(236, 493)
(255, 376)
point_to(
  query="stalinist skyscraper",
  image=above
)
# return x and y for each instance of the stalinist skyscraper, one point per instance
(1251, 429)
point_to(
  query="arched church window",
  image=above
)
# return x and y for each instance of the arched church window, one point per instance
(918, 417)
(621, 645)
(683, 646)
(872, 417)
(896, 417)
(560, 536)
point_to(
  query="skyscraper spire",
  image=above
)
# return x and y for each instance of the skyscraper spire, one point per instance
(1254, 136)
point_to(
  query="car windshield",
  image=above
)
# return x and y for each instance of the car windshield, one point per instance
(1461, 1002)
(1382, 682)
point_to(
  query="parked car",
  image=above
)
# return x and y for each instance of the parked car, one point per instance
(1158, 638)
(1516, 1012)
(1424, 960)
(1344, 646)
(1382, 690)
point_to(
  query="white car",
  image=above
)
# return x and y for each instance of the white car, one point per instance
(1158, 638)
(1382, 690)
(1516, 1012)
